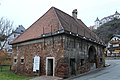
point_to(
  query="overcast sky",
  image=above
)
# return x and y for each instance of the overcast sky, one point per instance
(26, 12)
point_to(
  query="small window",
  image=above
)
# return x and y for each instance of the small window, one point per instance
(101, 60)
(22, 31)
(82, 62)
(15, 60)
(14, 35)
(22, 60)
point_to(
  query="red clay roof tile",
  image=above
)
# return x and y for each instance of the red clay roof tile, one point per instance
(54, 20)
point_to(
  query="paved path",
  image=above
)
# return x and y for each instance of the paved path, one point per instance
(109, 73)
(46, 78)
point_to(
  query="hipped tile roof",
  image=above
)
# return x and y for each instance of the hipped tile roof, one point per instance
(54, 20)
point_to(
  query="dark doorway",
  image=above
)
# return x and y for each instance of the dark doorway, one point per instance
(72, 66)
(50, 67)
(92, 57)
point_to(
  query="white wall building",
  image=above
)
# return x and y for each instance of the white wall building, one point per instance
(19, 30)
(113, 47)
(106, 19)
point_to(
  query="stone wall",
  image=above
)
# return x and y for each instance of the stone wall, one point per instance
(47, 47)
(76, 48)
(62, 48)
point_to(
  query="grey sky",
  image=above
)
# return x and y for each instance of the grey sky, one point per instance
(26, 12)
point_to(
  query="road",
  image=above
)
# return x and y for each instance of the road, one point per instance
(109, 73)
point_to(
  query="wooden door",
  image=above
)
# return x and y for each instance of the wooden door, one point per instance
(72, 66)
(50, 67)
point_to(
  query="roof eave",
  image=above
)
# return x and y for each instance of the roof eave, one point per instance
(42, 36)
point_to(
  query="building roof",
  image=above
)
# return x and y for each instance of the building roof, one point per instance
(55, 20)
(116, 35)
(116, 13)
(20, 29)
(97, 19)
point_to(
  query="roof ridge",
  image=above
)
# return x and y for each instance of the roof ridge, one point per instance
(60, 21)
(82, 25)
(31, 25)
(60, 25)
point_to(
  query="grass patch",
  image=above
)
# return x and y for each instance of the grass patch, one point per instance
(6, 74)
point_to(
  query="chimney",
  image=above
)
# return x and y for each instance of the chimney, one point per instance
(74, 13)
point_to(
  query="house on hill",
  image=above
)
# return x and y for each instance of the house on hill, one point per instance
(57, 44)
(104, 20)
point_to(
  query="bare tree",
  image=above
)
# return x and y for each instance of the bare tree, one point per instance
(5, 31)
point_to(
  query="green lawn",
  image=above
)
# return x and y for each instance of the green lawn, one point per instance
(6, 74)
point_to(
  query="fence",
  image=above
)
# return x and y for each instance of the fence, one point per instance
(5, 68)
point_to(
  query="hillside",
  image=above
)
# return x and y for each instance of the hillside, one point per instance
(108, 29)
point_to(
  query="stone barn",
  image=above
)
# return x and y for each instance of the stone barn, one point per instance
(57, 44)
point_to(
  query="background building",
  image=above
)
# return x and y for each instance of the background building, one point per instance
(104, 20)
(113, 48)
(19, 30)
